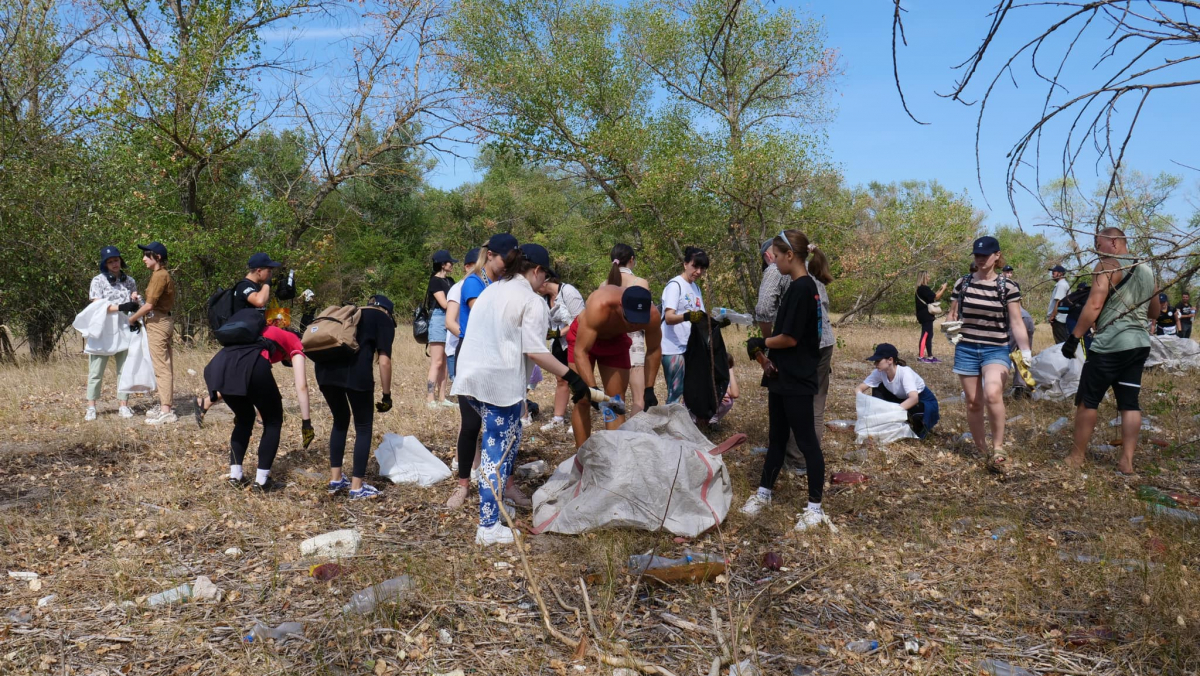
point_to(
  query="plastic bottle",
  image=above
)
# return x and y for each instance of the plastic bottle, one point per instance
(609, 408)
(997, 668)
(181, 593)
(262, 632)
(365, 601)
(1155, 496)
(862, 646)
(1057, 426)
(734, 317)
(642, 562)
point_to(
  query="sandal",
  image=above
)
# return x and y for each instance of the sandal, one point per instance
(997, 463)
(199, 411)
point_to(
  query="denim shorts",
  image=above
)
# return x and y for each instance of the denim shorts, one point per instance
(970, 358)
(437, 326)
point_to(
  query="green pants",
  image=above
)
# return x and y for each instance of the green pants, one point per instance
(96, 366)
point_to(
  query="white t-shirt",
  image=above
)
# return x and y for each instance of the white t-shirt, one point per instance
(508, 322)
(1061, 289)
(570, 305)
(681, 296)
(455, 295)
(906, 381)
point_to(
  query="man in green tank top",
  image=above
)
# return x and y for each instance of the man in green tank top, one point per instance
(1124, 298)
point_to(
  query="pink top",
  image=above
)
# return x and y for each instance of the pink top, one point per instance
(289, 345)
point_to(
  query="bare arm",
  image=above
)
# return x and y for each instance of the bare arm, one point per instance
(781, 342)
(1095, 300)
(385, 373)
(1018, 326)
(938, 296)
(673, 317)
(549, 363)
(653, 347)
(585, 338)
(259, 298)
(863, 388)
(733, 390)
(300, 376)
(452, 318)
(440, 297)
(766, 329)
(911, 401)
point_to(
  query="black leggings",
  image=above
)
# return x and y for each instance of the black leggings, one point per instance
(794, 414)
(264, 396)
(343, 403)
(925, 346)
(468, 435)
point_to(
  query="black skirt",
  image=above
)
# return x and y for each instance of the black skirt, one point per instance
(230, 370)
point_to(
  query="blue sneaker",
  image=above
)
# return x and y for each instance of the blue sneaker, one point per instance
(367, 492)
(339, 485)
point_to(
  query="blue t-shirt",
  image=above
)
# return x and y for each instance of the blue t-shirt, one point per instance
(472, 286)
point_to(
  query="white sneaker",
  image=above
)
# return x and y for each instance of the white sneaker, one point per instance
(449, 404)
(431, 405)
(163, 419)
(755, 504)
(811, 518)
(496, 534)
(90, 414)
(554, 425)
(475, 477)
(153, 412)
(125, 412)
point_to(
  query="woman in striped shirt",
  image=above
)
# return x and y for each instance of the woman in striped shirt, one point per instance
(987, 304)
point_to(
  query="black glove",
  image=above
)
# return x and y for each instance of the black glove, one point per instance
(1069, 346)
(754, 346)
(579, 389)
(721, 322)
(385, 404)
(694, 316)
(307, 433)
(135, 327)
(552, 334)
(651, 400)
(131, 306)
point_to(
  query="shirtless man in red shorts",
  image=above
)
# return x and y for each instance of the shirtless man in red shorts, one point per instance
(599, 335)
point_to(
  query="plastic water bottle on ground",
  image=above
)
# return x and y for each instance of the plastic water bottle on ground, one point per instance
(997, 668)
(262, 632)
(642, 562)
(1057, 426)
(366, 600)
(862, 646)
(181, 593)
(733, 317)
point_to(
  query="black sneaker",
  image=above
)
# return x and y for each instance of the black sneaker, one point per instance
(237, 484)
(269, 487)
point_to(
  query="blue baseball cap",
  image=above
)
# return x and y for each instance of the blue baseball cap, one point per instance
(110, 252)
(1058, 268)
(537, 254)
(155, 248)
(501, 243)
(261, 260)
(985, 246)
(472, 257)
(884, 351)
(636, 304)
(441, 257)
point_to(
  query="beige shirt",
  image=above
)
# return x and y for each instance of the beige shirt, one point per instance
(160, 292)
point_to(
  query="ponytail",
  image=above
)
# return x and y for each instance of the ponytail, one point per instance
(621, 254)
(818, 265)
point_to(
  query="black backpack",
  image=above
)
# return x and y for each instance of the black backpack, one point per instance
(220, 308)
(245, 327)
(1075, 300)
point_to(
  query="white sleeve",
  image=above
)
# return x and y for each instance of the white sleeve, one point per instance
(574, 302)
(535, 321)
(671, 296)
(908, 381)
(874, 378)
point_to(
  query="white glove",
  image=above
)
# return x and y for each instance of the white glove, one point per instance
(308, 295)
(1027, 355)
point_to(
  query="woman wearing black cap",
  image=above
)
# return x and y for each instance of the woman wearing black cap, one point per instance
(893, 381)
(349, 388)
(120, 291)
(507, 338)
(437, 384)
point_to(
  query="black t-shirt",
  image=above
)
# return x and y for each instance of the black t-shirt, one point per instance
(799, 317)
(241, 291)
(925, 296)
(1166, 317)
(436, 284)
(375, 334)
(1185, 310)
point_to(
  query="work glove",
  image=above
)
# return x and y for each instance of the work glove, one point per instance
(1070, 346)
(307, 433)
(135, 327)
(131, 306)
(385, 403)
(552, 334)
(694, 315)
(1027, 355)
(722, 322)
(579, 389)
(651, 399)
(755, 346)
(1021, 360)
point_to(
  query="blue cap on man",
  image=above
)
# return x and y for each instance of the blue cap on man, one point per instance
(636, 303)
(261, 260)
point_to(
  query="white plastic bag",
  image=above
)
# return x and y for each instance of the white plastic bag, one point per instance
(1057, 377)
(880, 420)
(105, 333)
(406, 460)
(138, 375)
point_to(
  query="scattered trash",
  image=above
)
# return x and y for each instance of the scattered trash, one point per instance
(1001, 532)
(1014, 419)
(772, 561)
(840, 425)
(234, 552)
(456, 672)
(912, 646)
(328, 571)
(204, 589)
(997, 668)
(181, 593)
(1175, 514)
(1156, 496)
(444, 637)
(744, 668)
(1128, 564)
(609, 410)
(966, 438)
(191, 372)
(531, 470)
(1138, 521)
(46, 600)
(388, 591)
(335, 544)
(1057, 426)
(1105, 448)
(857, 455)
(1147, 426)
(962, 525)
(19, 616)
(692, 567)
(406, 460)
(1161, 443)
(1185, 498)
(759, 450)
(262, 632)
(849, 478)
(35, 584)
(22, 575)
(862, 646)
(625, 672)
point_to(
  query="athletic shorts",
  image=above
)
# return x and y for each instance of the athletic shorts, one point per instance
(610, 352)
(1122, 371)
(970, 358)
(637, 350)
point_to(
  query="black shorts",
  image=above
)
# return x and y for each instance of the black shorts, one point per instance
(1122, 371)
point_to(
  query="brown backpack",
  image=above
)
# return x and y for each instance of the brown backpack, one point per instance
(331, 336)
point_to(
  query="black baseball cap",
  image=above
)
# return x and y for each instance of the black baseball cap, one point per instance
(155, 248)
(1006, 268)
(380, 300)
(472, 257)
(985, 246)
(501, 243)
(1058, 268)
(537, 254)
(261, 260)
(110, 252)
(884, 351)
(636, 304)
(441, 257)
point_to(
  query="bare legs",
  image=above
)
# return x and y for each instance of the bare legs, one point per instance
(637, 387)
(986, 393)
(437, 384)
(1085, 426)
(615, 381)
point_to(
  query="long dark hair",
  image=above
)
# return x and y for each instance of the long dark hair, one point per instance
(516, 264)
(796, 242)
(696, 256)
(621, 254)
(818, 267)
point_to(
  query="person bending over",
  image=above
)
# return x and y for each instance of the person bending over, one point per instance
(893, 381)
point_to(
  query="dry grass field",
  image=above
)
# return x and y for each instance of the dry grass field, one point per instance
(1043, 568)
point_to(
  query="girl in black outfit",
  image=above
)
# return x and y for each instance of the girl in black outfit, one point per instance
(925, 296)
(790, 358)
(349, 388)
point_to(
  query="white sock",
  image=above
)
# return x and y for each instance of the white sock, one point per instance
(558, 418)
(235, 471)
(261, 476)
(764, 493)
(815, 507)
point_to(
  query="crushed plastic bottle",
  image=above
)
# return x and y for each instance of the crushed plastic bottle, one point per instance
(997, 668)
(734, 317)
(366, 600)
(262, 632)
(1001, 532)
(862, 646)
(181, 593)
(1175, 514)
(1156, 496)
(642, 562)
(531, 470)
(840, 425)
(612, 408)
(1057, 426)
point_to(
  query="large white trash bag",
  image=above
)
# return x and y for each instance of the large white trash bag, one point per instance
(405, 460)
(1057, 377)
(1174, 353)
(138, 375)
(880, 420)
(623, 479)
(105, 333)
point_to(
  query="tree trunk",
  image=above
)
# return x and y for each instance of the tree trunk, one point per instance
(42, 334)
